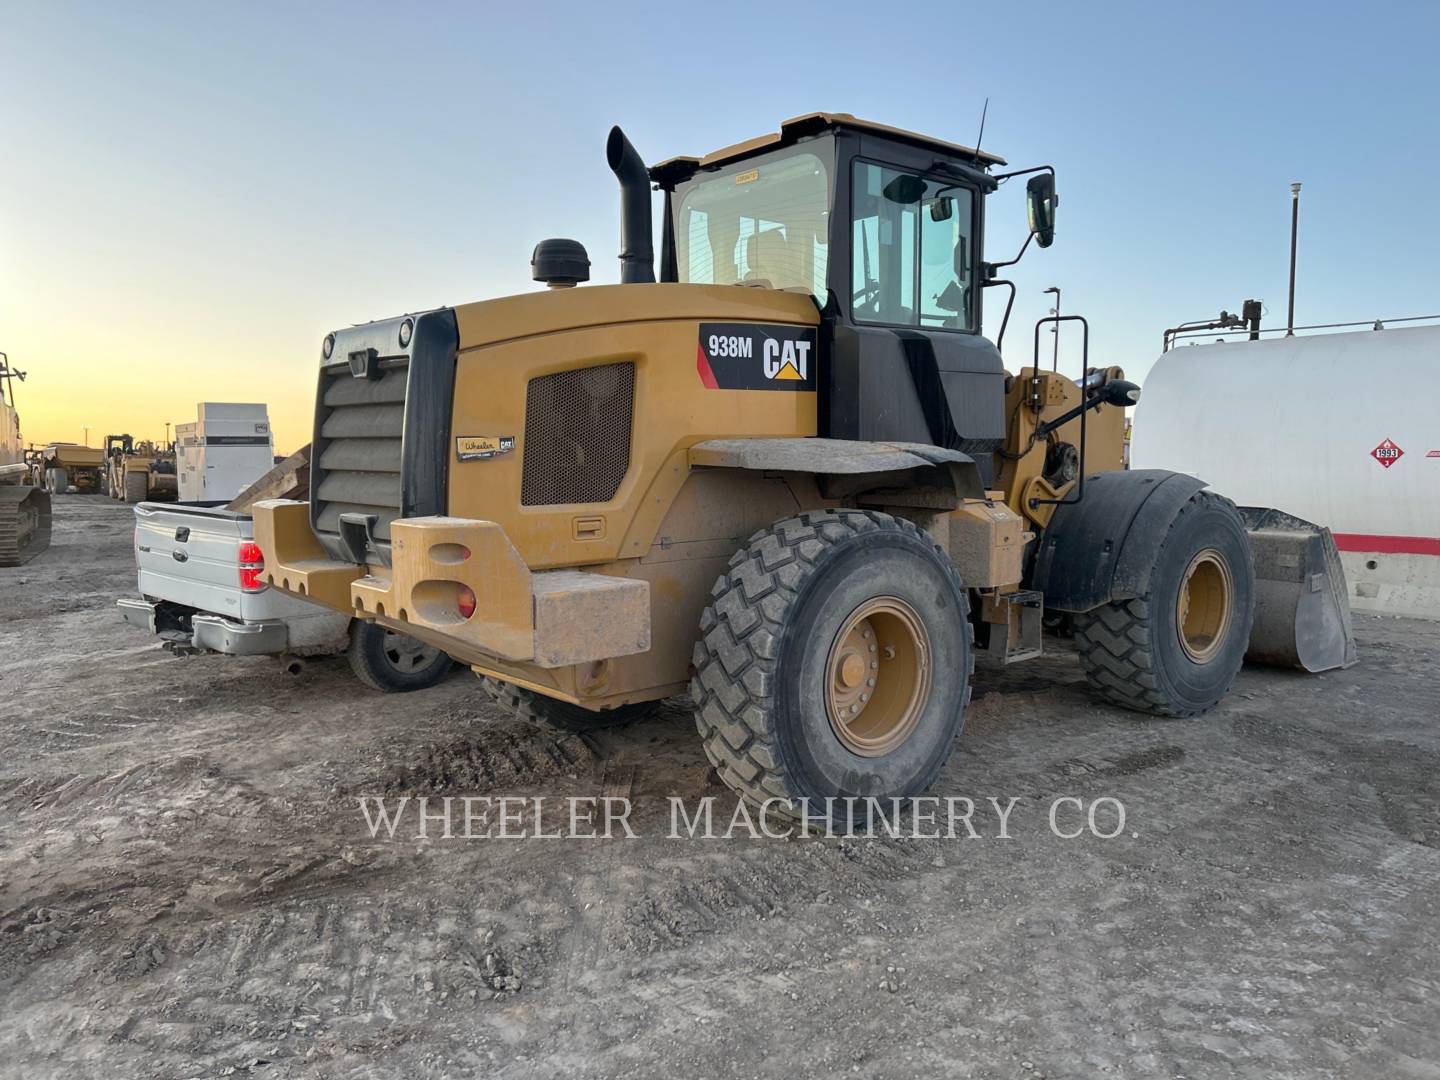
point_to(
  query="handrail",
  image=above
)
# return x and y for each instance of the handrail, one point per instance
(1376, 324)
(1079, 492)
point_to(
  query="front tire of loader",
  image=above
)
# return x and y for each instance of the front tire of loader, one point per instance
(137, 486)
(393, 663)
(834, 662)
(550, 712)
(1177, 650)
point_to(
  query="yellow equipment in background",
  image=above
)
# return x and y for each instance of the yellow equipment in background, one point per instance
(137, 471)
(65, 466)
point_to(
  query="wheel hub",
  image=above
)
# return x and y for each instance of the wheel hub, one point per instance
(1205, 606)
(878, 676)
(405, 653)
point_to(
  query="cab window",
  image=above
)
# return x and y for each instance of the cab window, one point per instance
(910, 249)
(762, 222)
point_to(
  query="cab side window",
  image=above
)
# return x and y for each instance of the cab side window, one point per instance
(910, 249)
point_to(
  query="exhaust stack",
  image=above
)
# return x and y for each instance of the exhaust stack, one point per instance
(637, 249)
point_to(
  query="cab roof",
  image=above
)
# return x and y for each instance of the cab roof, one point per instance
(674, 169)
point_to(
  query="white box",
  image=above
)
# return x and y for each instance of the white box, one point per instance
(226, 450)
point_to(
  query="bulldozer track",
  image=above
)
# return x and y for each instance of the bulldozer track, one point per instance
(17, 546)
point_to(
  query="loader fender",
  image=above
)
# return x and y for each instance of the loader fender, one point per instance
(1102, 548)
(842, 458)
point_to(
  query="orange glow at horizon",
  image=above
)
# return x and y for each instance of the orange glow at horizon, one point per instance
(76, 380)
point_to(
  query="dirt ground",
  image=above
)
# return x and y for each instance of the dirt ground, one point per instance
(188, 888)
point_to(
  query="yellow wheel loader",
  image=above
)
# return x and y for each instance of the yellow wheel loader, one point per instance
(791, 477)
(24, 507)
(137, 471)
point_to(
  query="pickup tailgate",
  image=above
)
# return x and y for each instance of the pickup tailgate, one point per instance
(191, 555)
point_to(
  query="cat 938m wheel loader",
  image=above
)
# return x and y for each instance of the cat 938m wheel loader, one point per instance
(792, 478)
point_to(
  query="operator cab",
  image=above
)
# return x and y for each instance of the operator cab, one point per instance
(884, 229)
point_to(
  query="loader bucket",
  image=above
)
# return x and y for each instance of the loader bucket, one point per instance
(1302, 606)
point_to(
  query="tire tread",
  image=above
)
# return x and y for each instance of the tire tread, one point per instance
(1114, 643)
(736, 657)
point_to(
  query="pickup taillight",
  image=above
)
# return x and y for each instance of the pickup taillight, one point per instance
(252, 565)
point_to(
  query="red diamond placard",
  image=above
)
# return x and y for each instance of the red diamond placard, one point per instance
(1387, 453)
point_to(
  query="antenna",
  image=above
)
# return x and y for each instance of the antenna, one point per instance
(981, 137)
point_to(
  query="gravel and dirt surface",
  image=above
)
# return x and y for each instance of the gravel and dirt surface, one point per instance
(188, 887)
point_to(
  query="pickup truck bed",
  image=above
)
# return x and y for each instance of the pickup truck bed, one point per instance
(187, 558)
(191, 561)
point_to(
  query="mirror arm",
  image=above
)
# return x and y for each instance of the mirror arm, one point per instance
(1024, 172)
(990, 268)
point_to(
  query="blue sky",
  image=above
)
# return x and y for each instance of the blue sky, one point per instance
(193, 195)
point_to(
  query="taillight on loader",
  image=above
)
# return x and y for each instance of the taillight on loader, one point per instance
(252, 565)
(465, 601)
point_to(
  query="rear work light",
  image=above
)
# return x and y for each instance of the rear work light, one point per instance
(465, 601)
(252, 565)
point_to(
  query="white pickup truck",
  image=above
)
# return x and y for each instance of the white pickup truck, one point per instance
(199, 575)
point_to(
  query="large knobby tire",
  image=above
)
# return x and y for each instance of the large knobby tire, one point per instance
(1177, 650)
(137, 486)
(536, 708)
(394, 663)
(57, 480)
(807, 615)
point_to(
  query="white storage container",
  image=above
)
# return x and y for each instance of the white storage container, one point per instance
(226, 450)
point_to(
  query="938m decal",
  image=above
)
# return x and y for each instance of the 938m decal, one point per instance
(756, 356)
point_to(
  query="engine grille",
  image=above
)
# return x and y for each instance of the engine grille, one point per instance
(360, 453)
(577, 435)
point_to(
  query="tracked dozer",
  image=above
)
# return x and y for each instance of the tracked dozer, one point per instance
(24, 507)
(791, 478)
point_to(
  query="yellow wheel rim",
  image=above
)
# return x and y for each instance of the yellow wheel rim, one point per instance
(877, 676)
(1205, 606)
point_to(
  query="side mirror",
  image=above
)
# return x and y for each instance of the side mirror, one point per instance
(942, 209)
(1040, 201)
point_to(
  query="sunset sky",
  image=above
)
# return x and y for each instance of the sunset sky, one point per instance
(192, 195)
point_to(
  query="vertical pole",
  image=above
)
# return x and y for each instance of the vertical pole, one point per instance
(1294, 232)
(1055, 329)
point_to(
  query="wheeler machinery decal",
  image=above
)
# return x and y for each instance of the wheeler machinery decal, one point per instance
(482, 447)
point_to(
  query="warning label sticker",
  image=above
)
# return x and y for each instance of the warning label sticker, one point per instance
(1387, 453)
